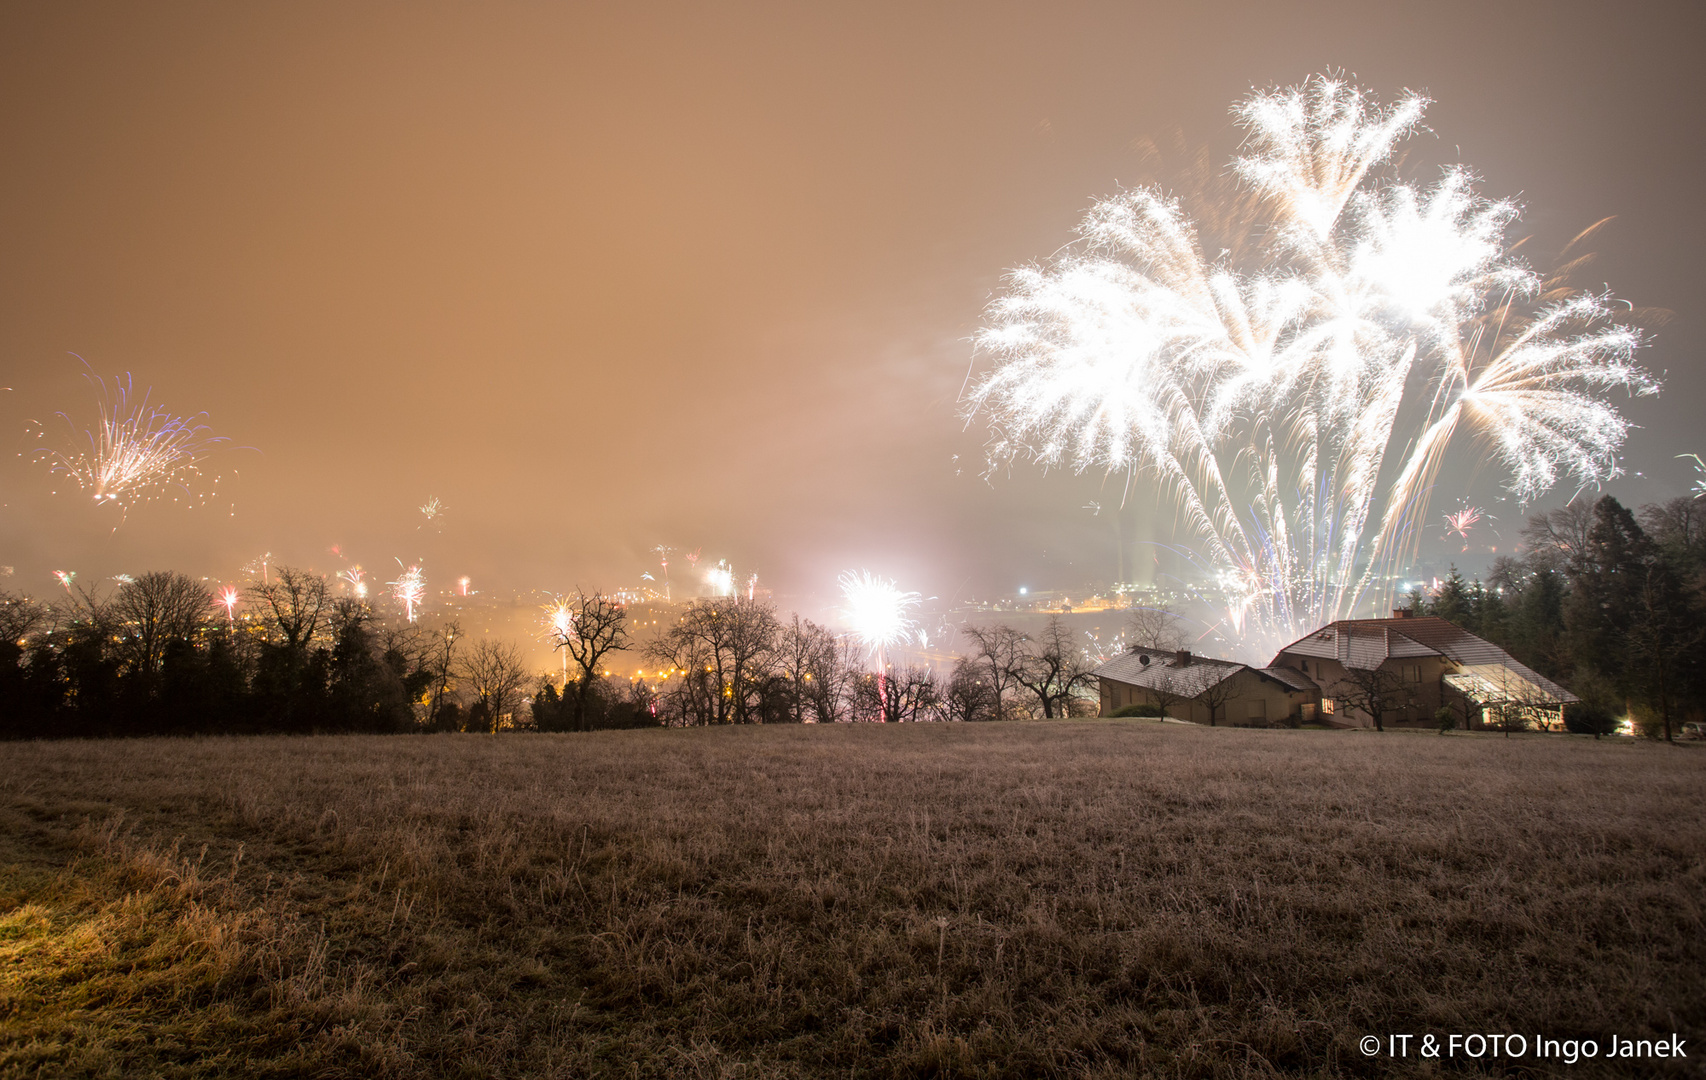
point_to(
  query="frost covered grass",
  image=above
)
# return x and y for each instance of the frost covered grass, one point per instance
(1070, 898)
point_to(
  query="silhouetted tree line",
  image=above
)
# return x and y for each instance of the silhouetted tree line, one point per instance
(1609, 602)
(155, 658)
(730, 660)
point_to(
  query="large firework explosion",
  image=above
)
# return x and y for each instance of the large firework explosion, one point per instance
(877, 612)
(1295, 388)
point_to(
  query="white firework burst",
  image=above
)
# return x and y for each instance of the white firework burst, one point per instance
(1296, 392)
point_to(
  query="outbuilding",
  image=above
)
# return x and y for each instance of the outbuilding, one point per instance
(1206, 690)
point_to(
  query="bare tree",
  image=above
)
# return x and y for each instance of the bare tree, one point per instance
(1167, 689)
(723, 649)
(21, 616)
(1559, 540)
(1000, 650)
(597, 628)
(807, 662)
(968, 695)
(1152, 625)
(495, 674)
(1215, 697)
(438, 660)
(898, 695)
(1374, 691)
(297, 604)
(151, 612)
(1052, 667)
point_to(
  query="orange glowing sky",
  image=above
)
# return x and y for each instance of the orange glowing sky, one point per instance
(605, 277)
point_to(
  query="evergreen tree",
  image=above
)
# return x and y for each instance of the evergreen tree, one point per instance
(1605, 597)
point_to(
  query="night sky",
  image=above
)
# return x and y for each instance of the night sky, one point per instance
(704, 275)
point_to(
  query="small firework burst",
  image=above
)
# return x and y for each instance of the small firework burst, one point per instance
(1460, 522)
(261, 565)
(228, 597)
(352, 579)
(409, 589)
(136, 451)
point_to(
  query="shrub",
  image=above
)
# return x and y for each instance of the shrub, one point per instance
(1142, 708)
(1588, 718)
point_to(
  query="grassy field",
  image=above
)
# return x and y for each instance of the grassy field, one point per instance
(1071, 899)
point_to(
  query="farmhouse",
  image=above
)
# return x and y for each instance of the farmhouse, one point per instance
(1405, 668)
(1206, 690)
(1408, 666)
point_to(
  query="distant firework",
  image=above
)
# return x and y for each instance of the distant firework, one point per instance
(353, 578)
(1461, 522)
(409, 589)
(1262, 382)
(462, 584)
(65, 578)
(720, 579)
(260, 565)
(432, 510)
(560, 629)
(877, 612)
(228, 597)
(137, 450)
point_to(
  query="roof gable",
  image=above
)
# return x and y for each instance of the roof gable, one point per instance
(1368, 643)
(1164, 673)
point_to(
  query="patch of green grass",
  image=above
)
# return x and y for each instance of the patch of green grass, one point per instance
(1069, 898)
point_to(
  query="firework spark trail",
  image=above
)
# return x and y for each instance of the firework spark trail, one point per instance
(432, 510)
(1461, 522)
(664, 551)
(877, 612)
(1265, 391)
(409, 589)
(1700, 467)
(65, 578)
(136, 450)
(262, 563)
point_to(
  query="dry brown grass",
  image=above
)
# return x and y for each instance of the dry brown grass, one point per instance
(1075, 898)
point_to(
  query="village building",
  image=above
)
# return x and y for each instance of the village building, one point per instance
(1407, 667)
(1413, 665)
(1205, 690)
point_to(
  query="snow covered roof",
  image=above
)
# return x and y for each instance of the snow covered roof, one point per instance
(1368, 643)
(1293, 679)
(1180, 674)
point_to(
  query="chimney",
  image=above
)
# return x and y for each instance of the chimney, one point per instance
(1401, 613)
(1182, 658)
